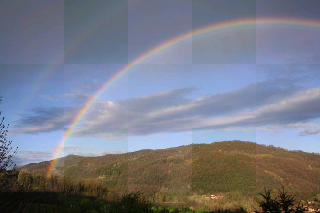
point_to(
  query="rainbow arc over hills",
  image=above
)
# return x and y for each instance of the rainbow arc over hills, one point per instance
(230, 25)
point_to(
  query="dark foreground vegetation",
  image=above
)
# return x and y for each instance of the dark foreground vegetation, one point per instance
(44, 202)
(23, 192)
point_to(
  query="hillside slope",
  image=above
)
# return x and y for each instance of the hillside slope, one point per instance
(230, 166)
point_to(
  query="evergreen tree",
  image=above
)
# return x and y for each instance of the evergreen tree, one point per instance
(284, 203)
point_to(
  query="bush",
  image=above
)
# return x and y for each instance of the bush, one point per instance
(132, 203)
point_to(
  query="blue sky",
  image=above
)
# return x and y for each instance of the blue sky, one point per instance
(257, 84)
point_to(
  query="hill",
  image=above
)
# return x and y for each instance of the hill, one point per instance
(229, 166)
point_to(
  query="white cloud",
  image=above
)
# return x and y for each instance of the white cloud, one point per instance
(96, 154)
(303, 106)
(309, 132)
(229, 110)
(45, 120)
(262, 105)
(26, 157)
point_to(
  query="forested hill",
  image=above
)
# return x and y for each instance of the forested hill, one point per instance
(198, 168)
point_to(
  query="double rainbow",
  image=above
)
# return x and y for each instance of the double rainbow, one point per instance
(165, 45)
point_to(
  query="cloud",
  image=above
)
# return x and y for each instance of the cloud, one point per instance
(256, 105)
(96, 154)
(302, 74)
(259, 105)
(279, 127)
(48, 97)
(302, 106)
(309, 132)
(87, 151)
(77, 95)
(26, 157)
(45, 120)
(71, 149)
(81, 92)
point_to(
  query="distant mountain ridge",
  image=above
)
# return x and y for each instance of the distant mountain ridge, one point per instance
(228, 166)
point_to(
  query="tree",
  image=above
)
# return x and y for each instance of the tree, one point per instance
(285, 200)
(268, 204)
(25, 181)
(284, 203)
(6, 151)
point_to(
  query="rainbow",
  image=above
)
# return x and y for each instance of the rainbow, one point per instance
(70, 50)
(165, 45)
(42, 78)
(92, 28)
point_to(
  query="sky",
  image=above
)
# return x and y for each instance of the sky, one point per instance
(258, 83)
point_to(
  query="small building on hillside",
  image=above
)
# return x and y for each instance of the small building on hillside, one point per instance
(215, 197)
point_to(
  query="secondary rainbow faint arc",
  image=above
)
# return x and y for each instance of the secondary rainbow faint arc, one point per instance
(169, 43)
(71, 49)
